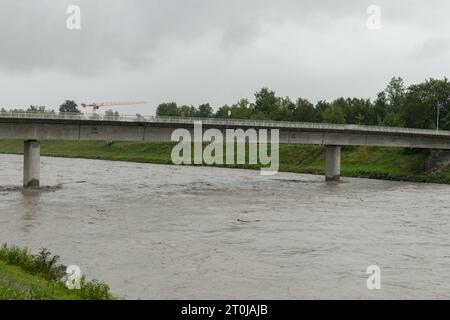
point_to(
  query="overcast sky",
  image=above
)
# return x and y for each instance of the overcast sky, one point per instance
(217, 51)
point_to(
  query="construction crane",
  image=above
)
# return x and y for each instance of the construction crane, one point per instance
(96, 105)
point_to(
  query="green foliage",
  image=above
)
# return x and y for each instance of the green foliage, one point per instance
(204, 111)
(395, 93)
(265, 103)
(399, 164)
(43, 263)
(94, 290)
(304, 111)
(172, 110)
(167, 110)
(241, 110)
(397, 105)
(422, 100)
(45, 266)
(223, 112)
(16, 256)
(69, 106)
(379, 109)
(333, 114)
(8, 293)
(187, 111)
(414, 106)
(38, 109)
(393, 119)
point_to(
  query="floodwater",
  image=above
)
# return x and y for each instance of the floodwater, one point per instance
(168, 232)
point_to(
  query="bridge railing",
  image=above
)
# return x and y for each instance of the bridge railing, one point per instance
(213, 121)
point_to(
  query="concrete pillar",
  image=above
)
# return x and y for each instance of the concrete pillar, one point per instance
(31, 164)
(333, 163)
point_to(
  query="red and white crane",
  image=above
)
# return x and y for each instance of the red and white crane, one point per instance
(96, 105)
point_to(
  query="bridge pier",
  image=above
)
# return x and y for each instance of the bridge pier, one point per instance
(333, 163)
(31, 164)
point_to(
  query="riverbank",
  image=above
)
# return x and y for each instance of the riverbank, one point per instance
(363, 162)
(24, 276)
(15, 284)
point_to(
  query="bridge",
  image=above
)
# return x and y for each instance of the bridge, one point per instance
(33, 127)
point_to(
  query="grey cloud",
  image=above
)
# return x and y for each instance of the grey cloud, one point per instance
(215, 50)
(432, 47)
(34, 36)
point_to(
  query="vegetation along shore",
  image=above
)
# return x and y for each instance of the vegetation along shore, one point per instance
(366, 162)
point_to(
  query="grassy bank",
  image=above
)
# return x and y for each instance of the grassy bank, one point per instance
(368, 162)
(24, 276)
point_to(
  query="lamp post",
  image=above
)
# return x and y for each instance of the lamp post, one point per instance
(437, 116)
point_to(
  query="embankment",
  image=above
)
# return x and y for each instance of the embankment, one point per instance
(366, 162)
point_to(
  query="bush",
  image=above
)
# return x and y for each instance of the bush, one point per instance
(16, 256)
(47, 266)
(94, 290)
(43, 264)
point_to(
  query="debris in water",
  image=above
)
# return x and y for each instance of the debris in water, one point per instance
(248, 221)
(6, 189)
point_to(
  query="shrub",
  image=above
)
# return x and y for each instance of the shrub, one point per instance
(94, 290)
(47, 266)
(43, 263)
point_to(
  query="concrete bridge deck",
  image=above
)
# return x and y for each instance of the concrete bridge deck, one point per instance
(33, 127)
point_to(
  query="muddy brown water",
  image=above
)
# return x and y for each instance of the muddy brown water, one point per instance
(168, 232)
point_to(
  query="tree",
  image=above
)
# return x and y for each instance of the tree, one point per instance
(266, 102)
(241, 110)
(205, 111)
(187, 111)
(355, 110)
(69, 106)
(420, 107)
(414, 106)
(111, 115)
(393, 119)
(40, 109)
(222, 112)
(333, 114)
(395, 93)
(169, 109)
(379, 109)
(304, 111)
(321, 106)
(284, 111)
(36, 108)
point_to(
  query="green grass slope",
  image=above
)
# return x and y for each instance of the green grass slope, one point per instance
(24, 276)
(368, 162)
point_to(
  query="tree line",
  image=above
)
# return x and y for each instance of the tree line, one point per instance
(69, 106)
(414, 106)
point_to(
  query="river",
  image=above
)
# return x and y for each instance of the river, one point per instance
(171, 232)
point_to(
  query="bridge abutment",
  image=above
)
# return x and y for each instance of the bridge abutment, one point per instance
(31, 164)
(333, 163)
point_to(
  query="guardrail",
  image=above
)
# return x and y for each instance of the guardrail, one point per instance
(216, 121)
